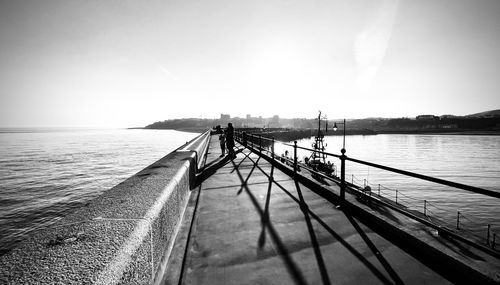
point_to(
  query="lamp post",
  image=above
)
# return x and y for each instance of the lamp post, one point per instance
(342, 165)
(335, 129)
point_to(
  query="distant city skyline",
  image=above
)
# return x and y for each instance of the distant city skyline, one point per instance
(226, 116)
(114, 63)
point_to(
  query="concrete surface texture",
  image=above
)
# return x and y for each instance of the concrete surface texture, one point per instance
(118, 238)
(249, 223)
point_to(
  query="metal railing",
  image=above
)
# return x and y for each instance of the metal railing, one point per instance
(430, 210)
(422, 210)
(198, 146)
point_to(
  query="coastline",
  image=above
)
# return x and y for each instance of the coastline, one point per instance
(195, 130)
(367, 131)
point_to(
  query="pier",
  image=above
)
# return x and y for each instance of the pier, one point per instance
(194, 217)
(251, 222)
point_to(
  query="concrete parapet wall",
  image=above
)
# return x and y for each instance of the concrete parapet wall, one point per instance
(120, 237)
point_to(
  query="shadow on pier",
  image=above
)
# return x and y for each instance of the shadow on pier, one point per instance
(253, 224)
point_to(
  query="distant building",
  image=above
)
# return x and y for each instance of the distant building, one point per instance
(225, 117)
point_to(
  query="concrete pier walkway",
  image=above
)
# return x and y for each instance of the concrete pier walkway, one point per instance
(249, 223)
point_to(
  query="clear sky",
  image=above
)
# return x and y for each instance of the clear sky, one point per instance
(124, 63)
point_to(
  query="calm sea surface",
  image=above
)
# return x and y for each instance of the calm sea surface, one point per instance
(46, 173)
(471, 160)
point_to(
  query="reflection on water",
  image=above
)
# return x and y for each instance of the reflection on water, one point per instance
(44, 174)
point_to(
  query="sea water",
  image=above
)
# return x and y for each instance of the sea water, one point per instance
(44, 173)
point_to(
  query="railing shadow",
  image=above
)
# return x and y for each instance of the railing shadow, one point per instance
(392, 273)
(317, 250)
(210, 169)
(240, 150)
(339, 238)
(290, 264)
(265, 217)
(307, 214)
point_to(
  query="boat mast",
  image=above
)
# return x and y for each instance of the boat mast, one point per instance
(318, 144)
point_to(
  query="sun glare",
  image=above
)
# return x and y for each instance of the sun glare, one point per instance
(276, 63)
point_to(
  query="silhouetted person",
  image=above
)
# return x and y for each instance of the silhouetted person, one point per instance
(230, 140)
(222, 141)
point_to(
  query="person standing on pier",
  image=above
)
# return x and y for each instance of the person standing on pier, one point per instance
(222, 141)
(230, 140)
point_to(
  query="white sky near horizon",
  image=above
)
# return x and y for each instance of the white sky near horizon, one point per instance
(128, 63)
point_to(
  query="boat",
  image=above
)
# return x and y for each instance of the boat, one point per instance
(318, 159)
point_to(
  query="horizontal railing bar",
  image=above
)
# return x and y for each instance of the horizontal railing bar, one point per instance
(259, 136)
(429, 178)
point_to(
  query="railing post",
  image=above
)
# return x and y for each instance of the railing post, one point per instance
(396, 196)
(260, 144)
(379, 189)
(272, 148)
(295, 157)
(352, 179)
(458, 220)
(244, 139)
(342, 176)
(425, 208)
(488, 235)
(364, 183)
